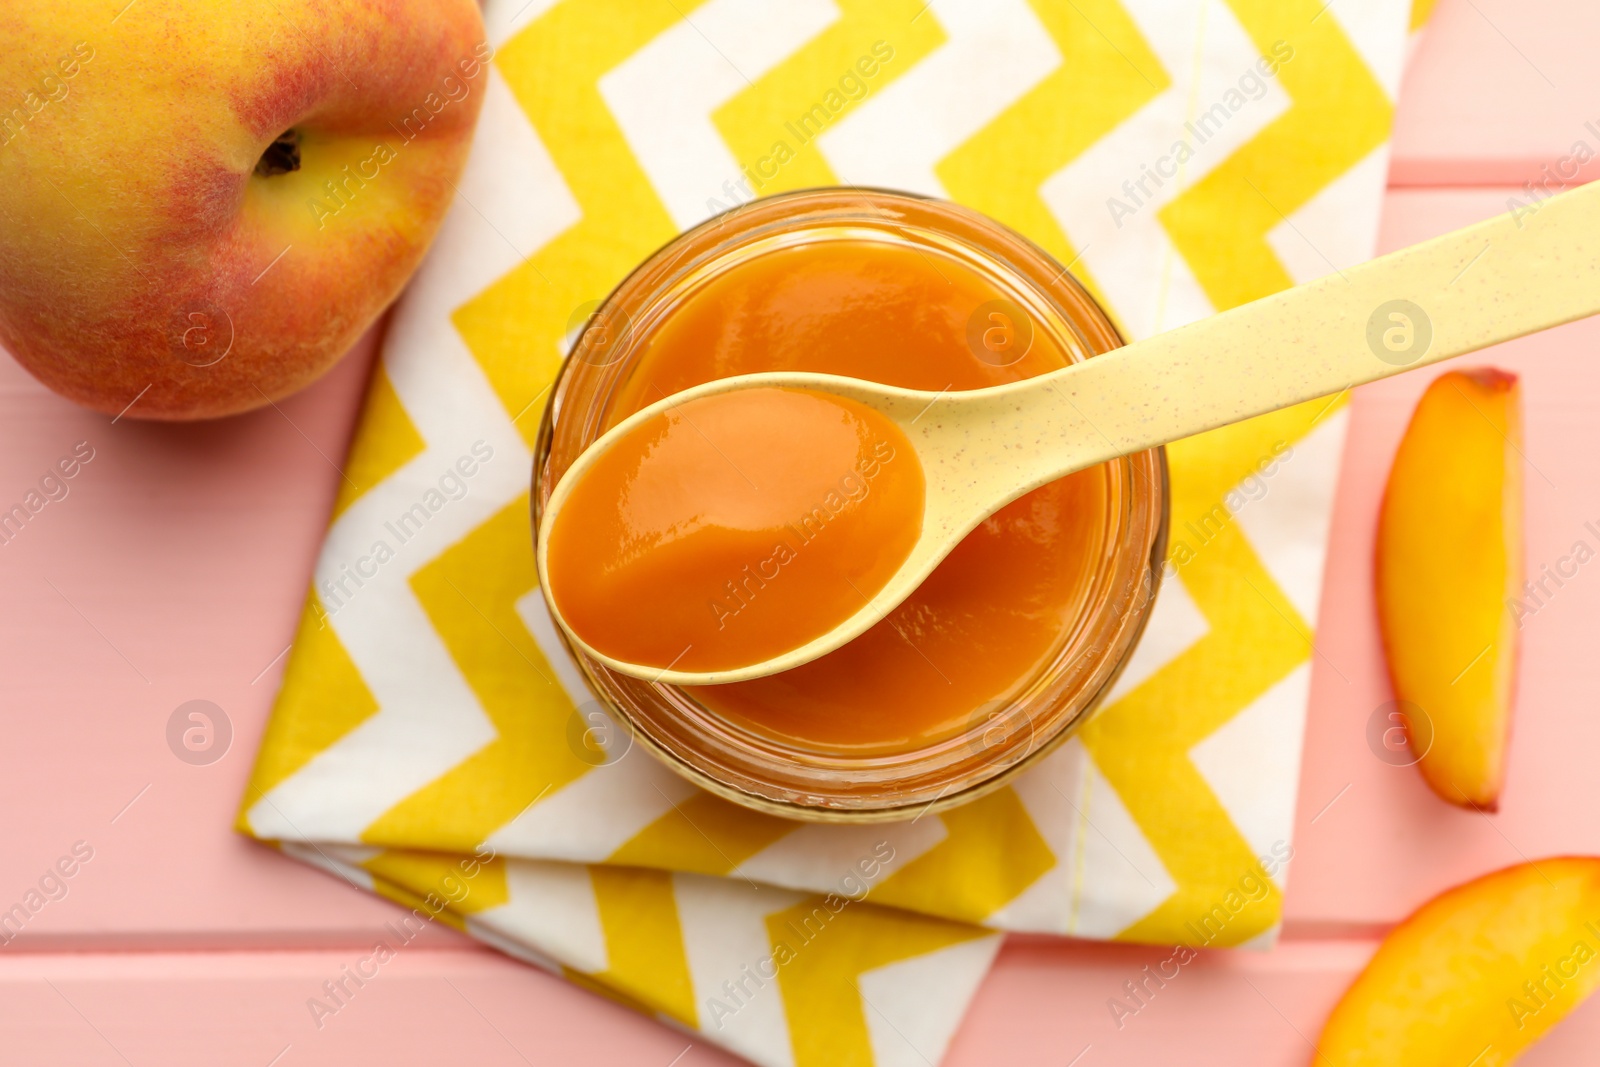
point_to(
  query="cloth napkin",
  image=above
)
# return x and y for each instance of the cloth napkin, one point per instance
(431, 741)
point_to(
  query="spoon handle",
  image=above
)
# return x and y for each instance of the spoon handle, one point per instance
(1472, 288)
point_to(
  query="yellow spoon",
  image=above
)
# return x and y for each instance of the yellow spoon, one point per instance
(984, 448)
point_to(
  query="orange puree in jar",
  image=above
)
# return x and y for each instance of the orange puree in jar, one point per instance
(998, 609)
(730, 529)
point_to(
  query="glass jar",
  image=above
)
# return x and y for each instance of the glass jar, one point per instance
(1036, 302)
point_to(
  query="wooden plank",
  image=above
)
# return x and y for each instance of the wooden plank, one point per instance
(1044, 1004)
(173, 569)
(1496, 90)
(252, 1009)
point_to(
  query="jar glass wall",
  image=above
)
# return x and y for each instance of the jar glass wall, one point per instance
(1016, 637)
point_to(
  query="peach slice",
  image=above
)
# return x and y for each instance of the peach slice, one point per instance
(1477, 974)
(1449, 562)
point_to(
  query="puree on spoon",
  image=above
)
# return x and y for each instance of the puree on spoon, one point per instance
(732, 528)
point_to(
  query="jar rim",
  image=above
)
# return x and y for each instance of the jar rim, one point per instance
(758, 772)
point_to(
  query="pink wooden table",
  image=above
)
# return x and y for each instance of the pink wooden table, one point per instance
(174, 570)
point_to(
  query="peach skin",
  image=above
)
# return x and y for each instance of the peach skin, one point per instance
(1448, 563)
(206, 202)
(1475, 975)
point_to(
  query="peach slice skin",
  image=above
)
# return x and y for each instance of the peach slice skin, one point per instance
(1448, 564)
(1477, 974)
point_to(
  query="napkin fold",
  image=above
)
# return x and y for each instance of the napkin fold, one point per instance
(429, 739)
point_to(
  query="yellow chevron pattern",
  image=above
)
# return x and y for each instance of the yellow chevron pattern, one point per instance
(752, 122)
(704, 834)
(991, 853)
(644, 941)
(1256, 637)
(388, 443)
(322, 699)
(826, 1009)
(1108, 72)
(515, 328)
(628, 851)
(1339, 114)
(444, 883)
(472, 608)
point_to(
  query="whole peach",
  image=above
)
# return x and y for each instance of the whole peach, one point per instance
(203, 203)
